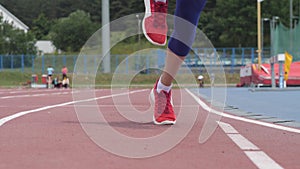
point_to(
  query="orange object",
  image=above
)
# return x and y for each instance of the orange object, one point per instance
(44, 79)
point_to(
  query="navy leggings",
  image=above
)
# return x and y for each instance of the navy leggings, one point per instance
(187, 14)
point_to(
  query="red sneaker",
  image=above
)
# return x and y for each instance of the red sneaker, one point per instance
(163, 108)
(154, 23)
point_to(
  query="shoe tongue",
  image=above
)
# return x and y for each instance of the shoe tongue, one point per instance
(160, 7)
(162, 91)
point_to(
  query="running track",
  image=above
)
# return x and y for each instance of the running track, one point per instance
(52, 137)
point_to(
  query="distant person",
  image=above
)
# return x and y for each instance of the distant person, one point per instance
(201, 81)
(56, 82)
(50, 72)
(64, 72)
(65, 82)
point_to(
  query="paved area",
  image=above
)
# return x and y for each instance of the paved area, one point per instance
(273, 105)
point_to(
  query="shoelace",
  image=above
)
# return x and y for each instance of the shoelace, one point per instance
(160, 10)
(164, 102)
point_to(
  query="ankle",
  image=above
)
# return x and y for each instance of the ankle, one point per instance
(162, 87)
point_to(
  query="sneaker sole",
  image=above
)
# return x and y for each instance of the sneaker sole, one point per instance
(166, 122)
(147, 14)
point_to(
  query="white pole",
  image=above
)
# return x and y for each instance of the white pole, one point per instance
(105, 36)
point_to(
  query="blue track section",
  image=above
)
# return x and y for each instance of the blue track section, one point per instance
(280, 104)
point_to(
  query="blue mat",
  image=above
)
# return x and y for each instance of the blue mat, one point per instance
(282, 104)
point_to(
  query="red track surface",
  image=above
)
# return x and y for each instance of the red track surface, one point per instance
(53, 138)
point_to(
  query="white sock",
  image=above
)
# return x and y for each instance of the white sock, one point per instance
(163, 87)
(164, 1)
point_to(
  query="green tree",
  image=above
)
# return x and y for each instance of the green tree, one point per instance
(232, 23)
(41, 27)
(227, 23)
(118, 8)
(15, 41)
(69, 34)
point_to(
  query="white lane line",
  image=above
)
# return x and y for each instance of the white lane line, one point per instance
(17, 96)
(36, 95)
(262, 160)
(14, 116)
(228, 129)
(55, 93)
(27, 91)
(270, 125)
(30, 90)
(242, 142)
(259, 158)
(237, 138)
